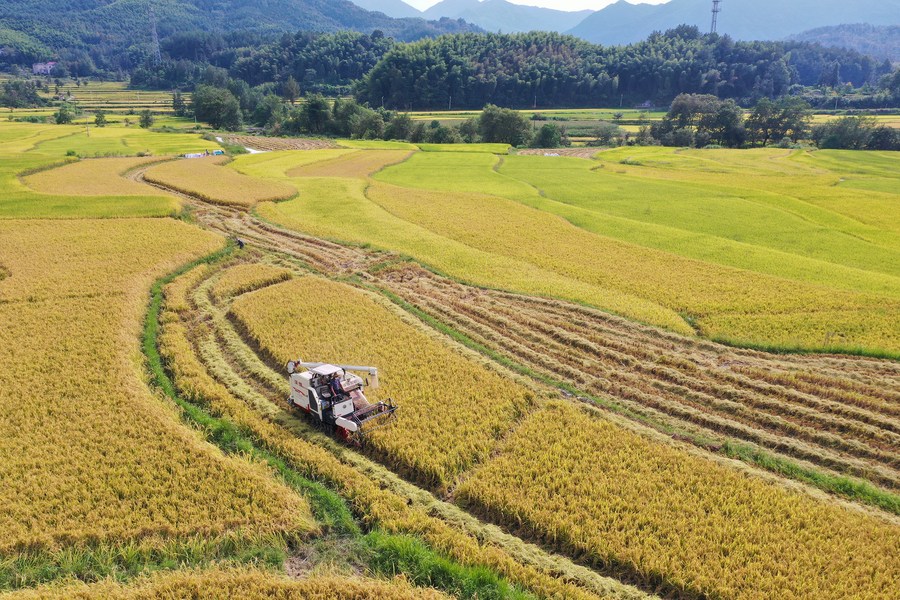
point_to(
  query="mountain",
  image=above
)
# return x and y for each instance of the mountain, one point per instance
(86, 23)
(397, 9)
(624, 23)
(882, 43)
(500, 15)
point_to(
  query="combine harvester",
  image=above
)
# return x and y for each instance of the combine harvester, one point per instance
(334, 399)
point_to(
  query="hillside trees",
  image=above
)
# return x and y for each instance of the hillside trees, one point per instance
(700, 120)
(526, 70)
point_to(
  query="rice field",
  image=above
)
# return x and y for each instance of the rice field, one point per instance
(75, 410)
(237, 583)
(672, 520)
(210, 179)
(685, 240)
(587, 463)
(834, 414)
(90, 188)
(550, 327)
(430, 442)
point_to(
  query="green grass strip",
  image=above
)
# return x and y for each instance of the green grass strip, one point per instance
(328, 507)
(853, 489)
(850, 488)
(391, 555)
(124, 561)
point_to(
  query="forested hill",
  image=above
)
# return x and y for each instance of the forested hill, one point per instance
(116, 35)
(544, 70)
(880, 42)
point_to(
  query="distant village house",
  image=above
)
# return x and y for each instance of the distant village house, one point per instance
(42, 68)
(648, 105)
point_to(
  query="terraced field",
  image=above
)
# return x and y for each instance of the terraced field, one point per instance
(544, 447)
(273, 320)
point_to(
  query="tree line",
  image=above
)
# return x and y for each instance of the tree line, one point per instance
(467, 71)
(546, 69)
(703, 120)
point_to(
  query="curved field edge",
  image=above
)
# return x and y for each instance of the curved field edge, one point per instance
(377, 507)
(389, 554)
(853, 489)
(775, 501)
(229, 349)
(277, 215)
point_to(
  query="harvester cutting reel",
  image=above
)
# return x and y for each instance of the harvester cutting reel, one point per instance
(333, 397)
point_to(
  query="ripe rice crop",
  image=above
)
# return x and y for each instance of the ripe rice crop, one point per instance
(666, 517)
(90, 454)
(377, 505)
(246, 584)
(94, 177)
(453, 411)
(209, 180)
(350, 215)
(247, 277)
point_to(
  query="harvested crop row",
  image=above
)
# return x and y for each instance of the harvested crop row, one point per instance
(453, 411)
(247, 584)
(275, 144)
(378, 506)
(75, 410)
(358, 164)
(207, 179)
(693, 381)
(666, 517)
(571, 368)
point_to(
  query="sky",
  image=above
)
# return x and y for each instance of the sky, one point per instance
(557, 4)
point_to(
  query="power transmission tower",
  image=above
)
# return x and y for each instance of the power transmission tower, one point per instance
(157, 55)
(715, 16)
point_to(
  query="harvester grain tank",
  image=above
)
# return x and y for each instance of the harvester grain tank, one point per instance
(333, 397)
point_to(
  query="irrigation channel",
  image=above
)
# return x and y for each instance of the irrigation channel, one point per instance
(828, 424)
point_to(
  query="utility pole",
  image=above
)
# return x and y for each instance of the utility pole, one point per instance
(716, 9)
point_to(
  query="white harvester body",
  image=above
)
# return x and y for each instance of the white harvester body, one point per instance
(334, 397)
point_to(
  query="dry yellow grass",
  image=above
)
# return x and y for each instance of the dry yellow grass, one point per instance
(89, 453)
(362, 164)
(661, 515)
(243, 278)
(453, 411)
(247, 584)
(93, 177)
(207, 178)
